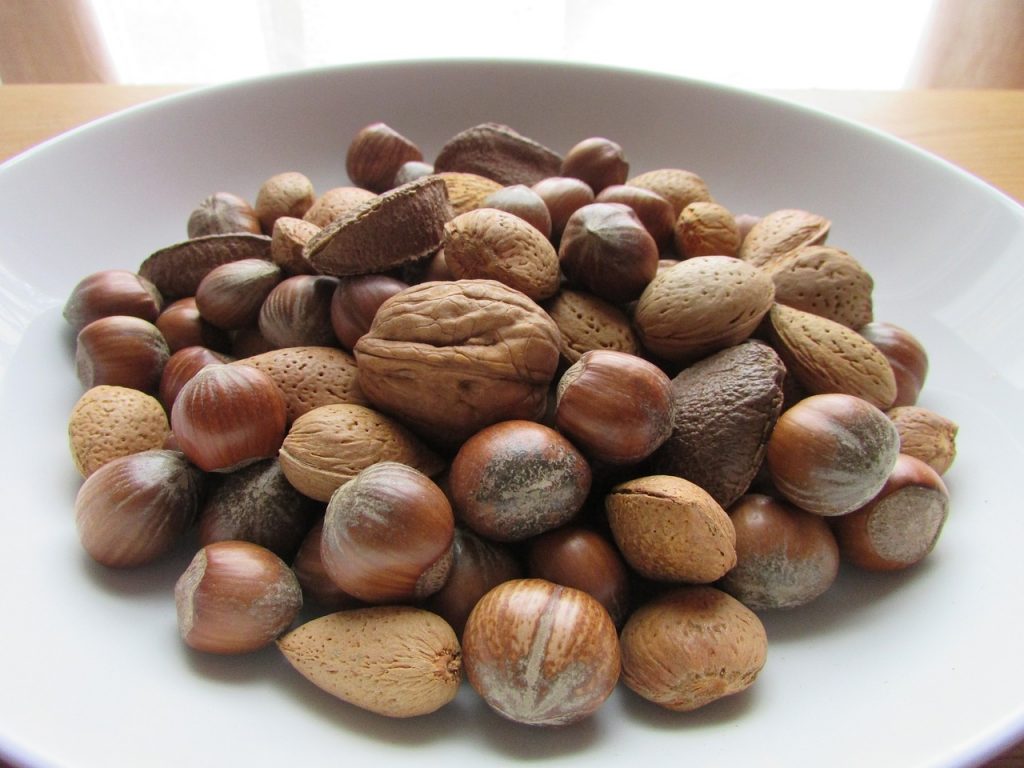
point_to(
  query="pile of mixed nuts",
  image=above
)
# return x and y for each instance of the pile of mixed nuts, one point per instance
(511, 415)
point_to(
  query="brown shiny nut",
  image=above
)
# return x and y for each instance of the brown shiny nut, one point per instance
(608, 251)
(231, 295)
(183, 326)
(318, 587)
(178, 269)
(724, 407)
(222, 213)
(257, 504)
(541, 654)
(653, 210)
(615, 406)
(330, 445)
(489, 356)
(781, 232)
(583, 559)
(248, 342)
(297, 312)
(905, 354)
(824, 281)
(478, 565)
(112, 292)
(825, 356)
(587, 322)
(669, 529)
(336, 202)
(398, 227)
(785, 557)
(136, 509)
(830, 454)
(356, 301)
(690, 647)
(899, 526)
(387, 535)
(926, 435)
(702, 305)
(108, 422)
(498, 152)
(678, 186)
(410, 171)
(598, 161)
(182, 366)
(288, 243)
(563, 196)
(522, 201)
(375, 155)
(706, 229)
(289, 193)
(121, 350)
(228, 416)
(489, 244)
(516, 479)
(235, 597)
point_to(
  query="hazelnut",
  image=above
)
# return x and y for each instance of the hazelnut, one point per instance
(690, 647)
(539, 653)
(901, 524)
(317, 585)
(607, 250)
(830, 454)
(615, 406)
(523, 202)
(597, 161)
(227, 416)
(182, 366)
(235, 597)
(183, 326)
(563, 196)
(112, 292)
(121, 350)
(905, 354)
(410, 171)
(653, 210)
(375, 155)
(231, 295)
(222, 213)
(785, 557)
(137, 508)
(297, 312)
(680, 187)
(356, 301)
(516, 479)
(283, 194)
(387, 535)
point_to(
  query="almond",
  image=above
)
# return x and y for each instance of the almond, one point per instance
(287, 243)
(826, 356)
(926, 435)
(587, 323)
(397, 661)
(108, 422)
(678, 186)
(824, 281)
(467, 191)
(700, 306)
(780, 232)
(335, 203)
(330, 445)
(706, 229)
(494, 245)
(309, 377)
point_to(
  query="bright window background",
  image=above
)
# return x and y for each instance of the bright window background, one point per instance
(867, 44)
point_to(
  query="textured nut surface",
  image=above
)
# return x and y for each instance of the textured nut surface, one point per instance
(288, 243)
(780, 232)
(680, 187)
(825, 356)
(691, 646)
(335, 203)
(289, 193)
(926, 435)
(110, 421)
(403, 224)
(824, 281)
(498, 152)
(397, 661)
(587, 322)
(495, 245)
(485, 353)
(309, 377)
(702, 305)
(706, 229)
(178, 269)
(669, 529)
(724, 409)
(467, 191)
(330, 445)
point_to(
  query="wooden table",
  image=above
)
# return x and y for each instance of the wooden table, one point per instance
(981, 131)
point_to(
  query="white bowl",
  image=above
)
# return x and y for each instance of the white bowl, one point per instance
(919, 668)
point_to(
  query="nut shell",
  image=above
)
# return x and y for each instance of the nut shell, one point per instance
(586, 322)
(498, 152)
(110, 421)
(680, 187)
(825, 281)
(926, 435)
(781, 232)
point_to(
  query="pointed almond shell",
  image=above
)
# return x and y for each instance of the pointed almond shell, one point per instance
(397, 661)
(826, 281)
(780, 232)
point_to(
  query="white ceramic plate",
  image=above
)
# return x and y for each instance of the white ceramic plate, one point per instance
(923, 668)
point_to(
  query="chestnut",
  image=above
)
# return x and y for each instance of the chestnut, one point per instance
(387, 535)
